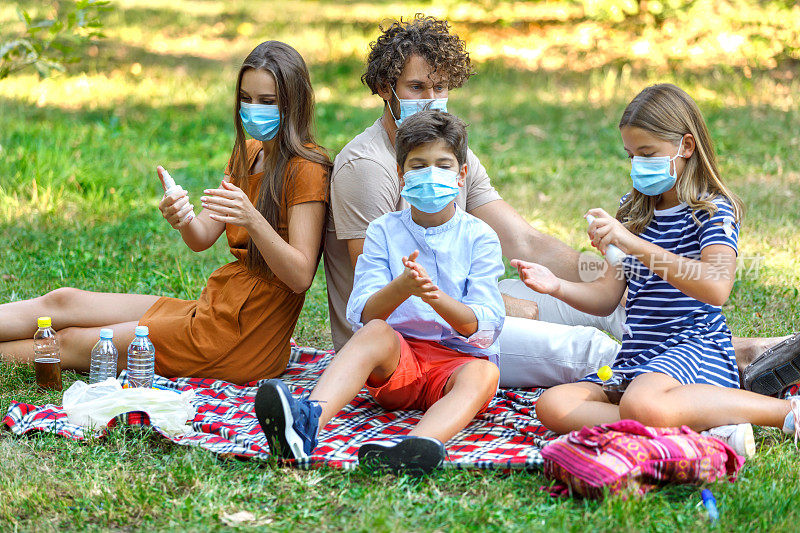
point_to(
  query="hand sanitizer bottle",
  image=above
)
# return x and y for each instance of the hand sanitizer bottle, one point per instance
(170, 186)
(613, 255)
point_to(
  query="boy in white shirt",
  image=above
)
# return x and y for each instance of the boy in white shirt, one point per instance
(426, 310)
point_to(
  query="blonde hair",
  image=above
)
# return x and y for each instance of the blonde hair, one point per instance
(667, 112)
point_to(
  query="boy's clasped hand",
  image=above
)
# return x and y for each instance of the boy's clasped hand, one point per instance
(416, 281)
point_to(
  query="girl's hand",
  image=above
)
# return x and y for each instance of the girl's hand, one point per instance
(537, 277)
(175, 207)
(416, 281)
(605, 230)
(230, 205)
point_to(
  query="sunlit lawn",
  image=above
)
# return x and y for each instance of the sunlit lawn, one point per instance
(78, 198)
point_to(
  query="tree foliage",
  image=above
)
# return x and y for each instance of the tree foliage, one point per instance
(53, 39)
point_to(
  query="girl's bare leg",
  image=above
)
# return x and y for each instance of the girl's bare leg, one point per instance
(658, 400)
(373, 353)
(570, 407)
(470, 386)
(70, 307)
(76, 346)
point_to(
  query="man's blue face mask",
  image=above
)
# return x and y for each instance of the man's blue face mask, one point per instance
(260, 121)
(651, 175)
(410, 106)
(430, 189)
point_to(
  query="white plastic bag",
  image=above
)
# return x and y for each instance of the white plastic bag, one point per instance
(96, 404)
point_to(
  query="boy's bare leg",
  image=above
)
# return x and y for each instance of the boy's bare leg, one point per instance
(76, 346)
(70, 307)
(373, 354)
(470, 386)
(569, 407)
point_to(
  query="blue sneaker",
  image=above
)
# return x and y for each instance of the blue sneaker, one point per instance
(791, 424)
(289, 423)
(404, 454)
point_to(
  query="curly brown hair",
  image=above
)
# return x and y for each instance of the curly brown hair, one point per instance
(428, 37)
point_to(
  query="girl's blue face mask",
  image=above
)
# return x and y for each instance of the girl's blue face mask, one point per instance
(651, 175)
(260, 121)
(410, 106)
(430, 189)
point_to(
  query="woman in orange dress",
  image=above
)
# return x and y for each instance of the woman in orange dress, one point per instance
(271, 204)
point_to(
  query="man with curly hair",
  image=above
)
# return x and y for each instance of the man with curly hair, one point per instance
(414, 64)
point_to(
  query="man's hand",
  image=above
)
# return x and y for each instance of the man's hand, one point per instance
(416, 281)
(521, 308)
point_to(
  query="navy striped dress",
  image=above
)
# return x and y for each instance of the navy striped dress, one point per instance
(667, 331)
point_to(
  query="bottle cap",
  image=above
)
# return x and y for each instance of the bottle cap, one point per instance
(169, 182)
(141, 331)
(106, 333)
(605, 373)
(44, 322)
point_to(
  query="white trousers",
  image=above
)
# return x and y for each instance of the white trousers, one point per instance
(563, 346)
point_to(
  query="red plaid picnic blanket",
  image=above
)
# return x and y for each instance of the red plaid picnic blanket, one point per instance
(507, 436)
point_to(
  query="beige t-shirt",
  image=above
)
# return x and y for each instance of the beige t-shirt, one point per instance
(364, 186)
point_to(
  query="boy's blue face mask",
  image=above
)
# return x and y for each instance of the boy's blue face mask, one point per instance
(651, 175)
(410, 106)
(430, 189)
(260, 121)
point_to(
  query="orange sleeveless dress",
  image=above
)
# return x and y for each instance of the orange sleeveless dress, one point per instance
(239, 328)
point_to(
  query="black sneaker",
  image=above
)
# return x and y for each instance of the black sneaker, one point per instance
(289, 423)
(775, 369)
(406, 454)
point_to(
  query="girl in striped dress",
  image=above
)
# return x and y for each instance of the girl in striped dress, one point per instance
(679, 227)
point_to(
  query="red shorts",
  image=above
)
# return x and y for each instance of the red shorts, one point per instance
(421, 374)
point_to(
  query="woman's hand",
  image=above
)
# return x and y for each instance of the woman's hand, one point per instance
(605, 230)
(175, 207)
(230, 205)
(537, 277)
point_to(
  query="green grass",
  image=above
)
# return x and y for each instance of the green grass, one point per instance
(78, 198)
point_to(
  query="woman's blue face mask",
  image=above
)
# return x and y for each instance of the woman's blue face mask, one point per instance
(260, 121)
(410, 106)
(430, 189)
(651, 175)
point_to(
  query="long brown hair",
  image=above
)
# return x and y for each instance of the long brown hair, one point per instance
(667, 112)
(294, 139)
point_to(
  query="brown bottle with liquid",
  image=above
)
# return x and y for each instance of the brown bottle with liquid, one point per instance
(47, 356)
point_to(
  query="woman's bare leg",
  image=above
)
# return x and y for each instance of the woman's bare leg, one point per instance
(570, 407)
(658, 400)
(76, 346)
(70, 307)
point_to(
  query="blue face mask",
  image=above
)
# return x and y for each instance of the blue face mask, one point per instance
(651, 175)
(430, 189)
(409, 106)
(260, 121)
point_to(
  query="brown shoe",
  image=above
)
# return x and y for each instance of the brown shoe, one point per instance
(775, 369)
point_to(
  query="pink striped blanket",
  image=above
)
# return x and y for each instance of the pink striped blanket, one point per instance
(629, 455)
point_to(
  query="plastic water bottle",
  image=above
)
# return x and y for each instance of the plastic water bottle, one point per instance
(614, 255)
(141, 359)
(104, 358)
(46, 355)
